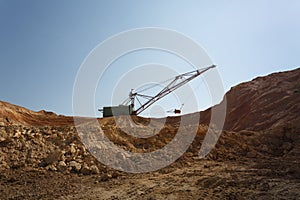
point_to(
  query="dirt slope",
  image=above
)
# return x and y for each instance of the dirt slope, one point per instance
(256, 157)
(262, 103)
(259, 104)
(12, 114)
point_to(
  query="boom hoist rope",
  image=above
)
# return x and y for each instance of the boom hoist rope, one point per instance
(178, 81)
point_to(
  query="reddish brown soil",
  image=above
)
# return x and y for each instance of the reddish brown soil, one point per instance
(262, 103)
(12, 114)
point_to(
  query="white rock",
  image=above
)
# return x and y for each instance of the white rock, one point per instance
(51, 167)
(94, 169)
(2, 139)
(61, 166)
(75, 166)
(72, 149)
(85, 170)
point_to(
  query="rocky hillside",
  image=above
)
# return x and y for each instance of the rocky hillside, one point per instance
(259, 104)
(261, 136)
(15, 115)
(262, 116)
(263, 103)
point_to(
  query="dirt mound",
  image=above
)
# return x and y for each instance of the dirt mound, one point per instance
(263, 103)
(260, 104)
(244, 164)
(13, 115)
(256, 155)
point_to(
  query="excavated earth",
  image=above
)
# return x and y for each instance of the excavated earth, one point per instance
(42, 155)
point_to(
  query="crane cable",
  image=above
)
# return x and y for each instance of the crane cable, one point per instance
(187, 98)
(127, 100)
(155, 85)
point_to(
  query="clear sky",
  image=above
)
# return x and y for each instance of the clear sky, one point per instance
(44, 42)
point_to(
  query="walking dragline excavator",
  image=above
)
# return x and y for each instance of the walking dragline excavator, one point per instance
(131, 109)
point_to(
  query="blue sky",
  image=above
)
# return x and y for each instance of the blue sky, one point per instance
(43, 43)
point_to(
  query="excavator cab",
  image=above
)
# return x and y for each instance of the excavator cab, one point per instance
(177, 111)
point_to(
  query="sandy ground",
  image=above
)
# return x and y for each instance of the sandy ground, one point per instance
(192, 179)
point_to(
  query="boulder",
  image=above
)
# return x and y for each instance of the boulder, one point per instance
(52, 157)
(75, 166)
(85, 170)
(94, 169)
(61, 166)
